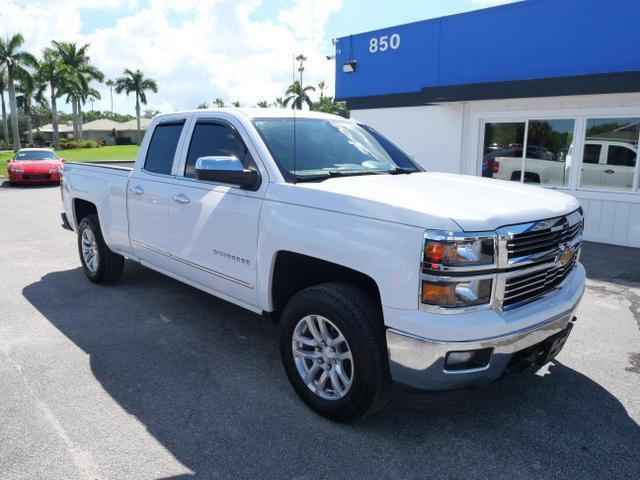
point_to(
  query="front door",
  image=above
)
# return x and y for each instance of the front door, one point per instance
(214, 227)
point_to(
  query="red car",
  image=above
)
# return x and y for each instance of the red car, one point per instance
(35, 165)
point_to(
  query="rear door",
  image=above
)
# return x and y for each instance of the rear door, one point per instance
(149, 190)
(214, 226)
(591, 174)
(619, 168)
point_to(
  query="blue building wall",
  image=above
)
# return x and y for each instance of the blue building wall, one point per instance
(529, 40)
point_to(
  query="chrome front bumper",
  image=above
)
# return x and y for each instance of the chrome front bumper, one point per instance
(420, 362)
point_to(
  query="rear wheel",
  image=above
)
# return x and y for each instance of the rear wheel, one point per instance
(100, 264)
(334, 353)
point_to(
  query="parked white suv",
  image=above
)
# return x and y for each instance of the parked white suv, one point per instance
(376, 270)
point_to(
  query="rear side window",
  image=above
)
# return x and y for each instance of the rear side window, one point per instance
(621, 156)
(162, 148)
(214, 139)
(591, 153)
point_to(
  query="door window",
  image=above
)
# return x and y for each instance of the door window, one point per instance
(212, 139)
(621, 156)
(618, 138)
(591, 153)
(162, 148)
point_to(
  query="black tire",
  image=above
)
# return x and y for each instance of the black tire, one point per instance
(356, 315)
(109, 264)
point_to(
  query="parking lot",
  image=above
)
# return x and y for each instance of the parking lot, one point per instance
(149, 378)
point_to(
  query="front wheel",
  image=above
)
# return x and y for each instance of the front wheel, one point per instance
(100, 264)
(334, 353)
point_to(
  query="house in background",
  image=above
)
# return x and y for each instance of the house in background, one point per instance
(104, 129)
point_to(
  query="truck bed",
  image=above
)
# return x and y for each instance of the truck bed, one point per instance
(126, 165)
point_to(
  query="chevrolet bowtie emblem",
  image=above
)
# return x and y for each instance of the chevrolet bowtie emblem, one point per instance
(566, 255)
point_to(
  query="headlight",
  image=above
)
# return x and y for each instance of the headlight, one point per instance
(15, 170)
(55, 170)
(442, 250)
(458, 270)
(456, 293)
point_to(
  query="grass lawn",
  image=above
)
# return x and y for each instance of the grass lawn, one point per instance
(118, 152)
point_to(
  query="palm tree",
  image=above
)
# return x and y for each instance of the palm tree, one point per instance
(136, 82)
(54, 73)
(279, 103)
(321, 87)
(82, 73)
(263, 104)
(31, 89)
(14, 60)
(298, 96)
(110, 83)
(218, 102)
(235, 104)
(3, 87)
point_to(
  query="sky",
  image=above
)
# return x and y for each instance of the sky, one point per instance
(200, 50)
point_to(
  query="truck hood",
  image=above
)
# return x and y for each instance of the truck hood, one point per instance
(430, 200)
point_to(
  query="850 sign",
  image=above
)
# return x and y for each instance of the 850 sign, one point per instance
(384, 43)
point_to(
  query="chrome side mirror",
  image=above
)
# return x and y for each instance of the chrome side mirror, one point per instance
(226, 170)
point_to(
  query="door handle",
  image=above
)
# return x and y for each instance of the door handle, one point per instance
(138, 190)
(180, 198)
(608, 170)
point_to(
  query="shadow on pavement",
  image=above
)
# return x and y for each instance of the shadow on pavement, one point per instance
(7, 184)
(205, 379)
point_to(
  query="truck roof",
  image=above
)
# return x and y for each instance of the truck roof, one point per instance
(260, 112)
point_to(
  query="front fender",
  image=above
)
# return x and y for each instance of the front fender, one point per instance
(387, 252)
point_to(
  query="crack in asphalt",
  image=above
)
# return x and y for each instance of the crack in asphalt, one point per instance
(625, 293)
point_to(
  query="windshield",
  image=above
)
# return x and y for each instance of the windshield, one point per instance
(329, 146)
(35, 155)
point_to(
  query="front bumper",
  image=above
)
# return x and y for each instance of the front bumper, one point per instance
(34, 177)
(419, 362)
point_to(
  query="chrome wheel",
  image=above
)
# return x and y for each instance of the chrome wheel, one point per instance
(90, 254)
(322, 357)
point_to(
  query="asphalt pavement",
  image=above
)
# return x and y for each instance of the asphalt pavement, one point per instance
(150, 378)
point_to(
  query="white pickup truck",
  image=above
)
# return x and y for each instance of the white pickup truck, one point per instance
(377, 271)
(605, 164)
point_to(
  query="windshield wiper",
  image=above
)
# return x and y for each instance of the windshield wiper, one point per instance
(333, 174)
(401, 170)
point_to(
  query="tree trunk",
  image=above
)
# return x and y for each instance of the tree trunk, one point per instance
(138, 118)
(5, 124)
(14, 115)
(74, 116)
(27, 110)
(80, 121)
(55, 137)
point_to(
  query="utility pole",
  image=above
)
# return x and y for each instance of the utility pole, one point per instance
(301, 58)
(110, 84)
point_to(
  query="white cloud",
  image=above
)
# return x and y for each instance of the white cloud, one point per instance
(196, 51)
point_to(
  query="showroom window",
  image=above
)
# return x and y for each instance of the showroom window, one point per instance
(610, 151)
(532, 151)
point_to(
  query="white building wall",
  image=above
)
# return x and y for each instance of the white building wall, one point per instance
(430, 134)
(448, 138)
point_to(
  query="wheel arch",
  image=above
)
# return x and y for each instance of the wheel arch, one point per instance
(82, 208)
(293, 272)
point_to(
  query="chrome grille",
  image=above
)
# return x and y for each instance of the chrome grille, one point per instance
(541, 241)
(529, 286)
